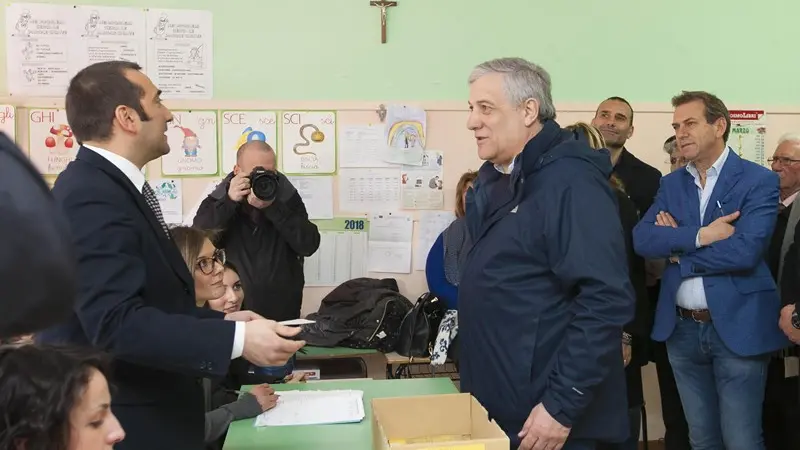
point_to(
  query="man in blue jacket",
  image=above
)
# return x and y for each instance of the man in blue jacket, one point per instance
(545, 291)
(718, 308)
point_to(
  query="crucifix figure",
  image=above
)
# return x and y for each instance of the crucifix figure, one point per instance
(383, 4)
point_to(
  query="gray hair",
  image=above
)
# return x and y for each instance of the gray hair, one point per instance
(670, 145)
(789, 137)
(524, 80)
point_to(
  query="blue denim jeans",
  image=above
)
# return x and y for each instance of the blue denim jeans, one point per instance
(722, 393)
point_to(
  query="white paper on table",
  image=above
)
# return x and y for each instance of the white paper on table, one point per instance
(362, 146)
(390, 237)
(368, 190)
(314, 408)
(317, 195)
(431, 225)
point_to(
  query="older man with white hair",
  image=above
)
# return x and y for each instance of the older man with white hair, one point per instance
(545, 291)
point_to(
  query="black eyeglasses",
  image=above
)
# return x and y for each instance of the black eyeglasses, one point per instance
(782, 160)
(206, 265)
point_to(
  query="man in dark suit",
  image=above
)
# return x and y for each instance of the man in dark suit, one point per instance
(37, 247)
(136, 297)
(718, 307)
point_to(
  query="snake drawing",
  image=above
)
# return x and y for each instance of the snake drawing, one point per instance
(316, 136)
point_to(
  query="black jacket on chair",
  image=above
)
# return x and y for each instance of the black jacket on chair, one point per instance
(136, 300)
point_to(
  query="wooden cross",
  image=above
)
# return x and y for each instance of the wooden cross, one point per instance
(383, 4)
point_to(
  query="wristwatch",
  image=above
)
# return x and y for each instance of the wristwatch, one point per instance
(796, 320)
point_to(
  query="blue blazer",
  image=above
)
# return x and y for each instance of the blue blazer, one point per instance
(434, 273)
(740, 290)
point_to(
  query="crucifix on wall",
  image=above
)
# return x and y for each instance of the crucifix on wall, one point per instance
(383, 5)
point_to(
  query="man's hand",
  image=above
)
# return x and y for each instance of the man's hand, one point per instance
(627, 353)
(239, 188)
(257, 202)
(265, 395)
(264, 343)
(243, 316)
(718, 230)
(665, 219)
(542, 432)
(786, 324)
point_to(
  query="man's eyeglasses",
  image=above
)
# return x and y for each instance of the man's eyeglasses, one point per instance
(206, 265)
(782, 160)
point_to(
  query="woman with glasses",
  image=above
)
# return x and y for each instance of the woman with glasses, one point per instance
(207, 266)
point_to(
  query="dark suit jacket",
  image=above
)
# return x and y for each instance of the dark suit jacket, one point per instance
(37, 270)
(136, 300)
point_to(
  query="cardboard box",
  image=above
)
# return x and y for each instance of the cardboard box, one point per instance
(434, 422)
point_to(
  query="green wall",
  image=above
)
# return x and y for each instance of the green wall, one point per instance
(645, 50)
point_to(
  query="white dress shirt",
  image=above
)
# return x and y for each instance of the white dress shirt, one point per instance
(136, 176)
(691, 293)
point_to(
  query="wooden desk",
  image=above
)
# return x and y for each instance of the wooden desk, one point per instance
(373, 361)
(242, 435)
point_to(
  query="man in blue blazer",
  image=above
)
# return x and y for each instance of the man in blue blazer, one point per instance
(718, 310)
(136, 296)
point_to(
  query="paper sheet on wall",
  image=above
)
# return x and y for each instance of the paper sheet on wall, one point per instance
(317, 195)
(748, 130)
(362, 146)
(342, 253)
(108, 33)
(240, 127)
(405, 134)
(368, 190)
(188, 218)
(8, 121)
(51, 143)
(422, 186)
(390, 238)
(314, 408)
(180, 59)
(431, 225)
(38, 53)
(169, 193)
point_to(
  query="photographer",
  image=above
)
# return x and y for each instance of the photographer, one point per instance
(264, 229)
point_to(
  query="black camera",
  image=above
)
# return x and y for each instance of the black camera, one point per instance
(264, 183)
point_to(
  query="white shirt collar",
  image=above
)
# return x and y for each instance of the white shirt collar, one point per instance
(503, 170)
(128, 168)
(715, 168)
(790, 199)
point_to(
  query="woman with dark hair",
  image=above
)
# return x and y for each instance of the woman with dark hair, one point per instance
(448, 252)
(54, 398)
(231, 301)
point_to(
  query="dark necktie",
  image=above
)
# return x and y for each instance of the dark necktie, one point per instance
(152, 202)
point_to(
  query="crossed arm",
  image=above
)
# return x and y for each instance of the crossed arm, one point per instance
(654, 238)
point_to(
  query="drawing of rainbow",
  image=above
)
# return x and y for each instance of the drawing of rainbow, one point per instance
(406, 133)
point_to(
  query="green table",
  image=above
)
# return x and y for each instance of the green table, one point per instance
(242, 435)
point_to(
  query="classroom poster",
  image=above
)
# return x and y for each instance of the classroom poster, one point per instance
(239, 127)
(748, 130)
(108, 33)
(180, 46)
(309, 142)
(422, 186)
(192, 140)
(50, 140)
(38, 51)
(169, 193)
(8, 121)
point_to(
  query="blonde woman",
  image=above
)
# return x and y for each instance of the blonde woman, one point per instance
(636, 333)
(206, 264)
